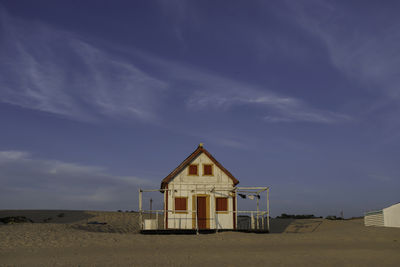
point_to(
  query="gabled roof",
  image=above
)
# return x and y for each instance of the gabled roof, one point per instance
(189, 159)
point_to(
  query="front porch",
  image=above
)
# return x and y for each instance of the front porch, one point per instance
(172, 221)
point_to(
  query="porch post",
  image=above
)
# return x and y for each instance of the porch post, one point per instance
(268, 209)
(140, 210)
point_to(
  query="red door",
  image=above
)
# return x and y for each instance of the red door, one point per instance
(201, 212)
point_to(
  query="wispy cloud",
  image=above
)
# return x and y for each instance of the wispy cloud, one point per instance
(223, 139)
(364, 53)
(365, 49)
(55, 71)
(178, 13)
(229, 142)
(56, 184)
(212, 91)
(50, 70)
(381, 178)
(220, 93)
(13, 155)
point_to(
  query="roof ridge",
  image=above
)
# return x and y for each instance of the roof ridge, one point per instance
(200, 149)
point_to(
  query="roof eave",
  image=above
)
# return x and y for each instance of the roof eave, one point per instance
(189, 159)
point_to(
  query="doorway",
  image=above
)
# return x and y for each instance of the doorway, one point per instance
(202, 212)
(202, 202)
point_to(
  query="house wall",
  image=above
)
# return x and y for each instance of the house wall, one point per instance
(392, 216)
(374, 218)
(184, 185)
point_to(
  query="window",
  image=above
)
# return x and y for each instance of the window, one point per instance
(208, 169)
(181, 204)
(221, 204)
(193, 169)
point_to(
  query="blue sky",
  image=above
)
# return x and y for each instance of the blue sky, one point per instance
(98, 98)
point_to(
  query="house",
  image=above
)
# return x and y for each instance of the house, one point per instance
(199, 194)
(389, 217)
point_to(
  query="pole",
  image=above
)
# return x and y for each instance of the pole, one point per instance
(140, 210)
(151, 208)
(195, 197)
(157, 219)
(252, 221)
(215, 212)
(165, 208)
(258, 211)
(262, 222)
(268, 210)
(236, 209)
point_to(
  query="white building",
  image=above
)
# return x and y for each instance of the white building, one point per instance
(200, 194)
(389, 217)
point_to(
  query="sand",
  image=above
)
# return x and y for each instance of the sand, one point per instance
(68, 240)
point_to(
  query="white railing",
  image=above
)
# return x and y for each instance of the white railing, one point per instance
(255, 219)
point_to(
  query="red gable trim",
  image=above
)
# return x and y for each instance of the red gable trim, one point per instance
(189, 159)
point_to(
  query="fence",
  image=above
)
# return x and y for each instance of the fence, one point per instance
(169, 218)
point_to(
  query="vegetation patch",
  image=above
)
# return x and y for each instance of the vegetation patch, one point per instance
(295, 216)
(15, 219)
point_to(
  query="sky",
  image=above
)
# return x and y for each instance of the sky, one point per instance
(100, 98)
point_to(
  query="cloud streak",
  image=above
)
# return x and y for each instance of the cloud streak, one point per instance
(364, 49)
(55, 71)
(219, 93)
(56, 184)
(46, 69)
(367, 54)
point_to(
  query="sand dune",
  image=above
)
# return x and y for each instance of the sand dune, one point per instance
(68, 240)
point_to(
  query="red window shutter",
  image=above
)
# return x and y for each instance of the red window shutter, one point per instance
(207, 169)
(193, 169)
(180, 203)
(222, 204)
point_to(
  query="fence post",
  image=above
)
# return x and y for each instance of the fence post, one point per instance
(252, 221)
(268, 210)
(140, 210)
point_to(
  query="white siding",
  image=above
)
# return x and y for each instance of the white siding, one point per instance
(374, 219)
(392, 216)
(184, 185)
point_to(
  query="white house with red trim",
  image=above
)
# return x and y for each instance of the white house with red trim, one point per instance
(199, 194)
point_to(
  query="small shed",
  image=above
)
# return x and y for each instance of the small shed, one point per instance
(389, 217)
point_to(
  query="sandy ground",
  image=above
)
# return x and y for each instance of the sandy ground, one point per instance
(67, 240)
